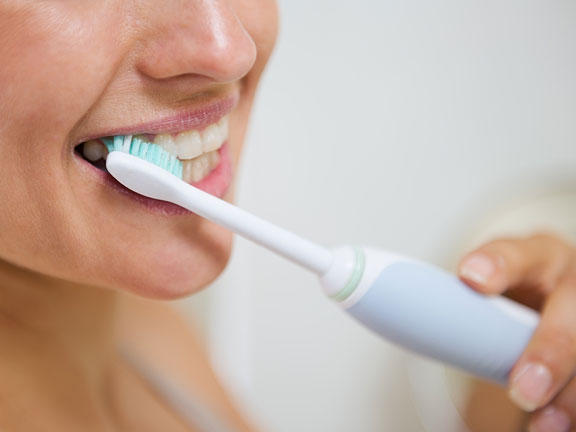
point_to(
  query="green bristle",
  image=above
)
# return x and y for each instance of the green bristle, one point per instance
(159, 158)
(157, 155)
(135, 146)
(148, 151)
(153, 155)
(143, 150)
(118, 141)
(169, 163)
(109, 143)
(164, 160)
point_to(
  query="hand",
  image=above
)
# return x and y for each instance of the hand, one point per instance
(539, 271)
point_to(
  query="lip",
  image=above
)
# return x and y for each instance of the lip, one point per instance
(196, 119)
(216, 183)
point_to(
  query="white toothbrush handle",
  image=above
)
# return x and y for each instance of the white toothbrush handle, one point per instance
(427, 310)
(418, 306)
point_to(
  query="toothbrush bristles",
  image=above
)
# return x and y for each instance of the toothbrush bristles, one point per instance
(127, 142)
(148, 151)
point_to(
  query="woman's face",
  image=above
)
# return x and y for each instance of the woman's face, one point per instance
(75, 71)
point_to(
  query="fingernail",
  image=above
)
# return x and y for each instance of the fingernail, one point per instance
(478, 268)
(530, 386)
(551, 420)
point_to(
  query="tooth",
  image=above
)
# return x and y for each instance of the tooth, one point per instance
(189, 144)
(196, 169)
(166, 141)
(186, 171)
(202, 167)
(214, 158)
(94, 150)
(223, 125)
(191, 171)
(211, 138)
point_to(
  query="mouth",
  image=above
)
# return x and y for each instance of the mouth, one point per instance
(198, 139)
(200, 151)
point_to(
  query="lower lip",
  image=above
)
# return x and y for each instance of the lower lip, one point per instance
(215, 183)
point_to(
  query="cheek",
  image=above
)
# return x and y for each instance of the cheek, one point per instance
(52, 223)
(57, 58)
(55, 61)
(165, 261)
(260, 18)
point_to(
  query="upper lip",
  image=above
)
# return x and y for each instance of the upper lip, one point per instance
(192, 119)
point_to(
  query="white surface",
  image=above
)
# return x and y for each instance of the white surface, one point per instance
(339, 272)
(398, 124)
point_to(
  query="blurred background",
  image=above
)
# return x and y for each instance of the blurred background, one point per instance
(421, 127)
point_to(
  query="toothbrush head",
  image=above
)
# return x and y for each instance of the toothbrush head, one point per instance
(144, 177)
(147, 151)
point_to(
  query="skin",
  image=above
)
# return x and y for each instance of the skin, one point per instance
(73, 252)
(122, 62)
(71, 247)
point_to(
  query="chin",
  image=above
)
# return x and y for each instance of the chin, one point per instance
(174, 270)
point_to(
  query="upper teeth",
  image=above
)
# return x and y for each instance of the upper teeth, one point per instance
(197, 150)
(191, 144)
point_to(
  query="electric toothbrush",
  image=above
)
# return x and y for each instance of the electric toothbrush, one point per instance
(416, 305)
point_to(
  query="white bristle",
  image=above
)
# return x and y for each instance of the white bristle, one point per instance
(126, 144)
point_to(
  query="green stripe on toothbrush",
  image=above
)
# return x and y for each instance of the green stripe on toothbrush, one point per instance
(355, 277)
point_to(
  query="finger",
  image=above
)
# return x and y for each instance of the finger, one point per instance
(549, 360)
(566, 402)
(550, 419)
(559, 416)
(500, 265)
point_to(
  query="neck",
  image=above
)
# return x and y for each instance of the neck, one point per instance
(56, 317)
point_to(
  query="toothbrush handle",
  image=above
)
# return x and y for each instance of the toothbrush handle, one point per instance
(429, 311)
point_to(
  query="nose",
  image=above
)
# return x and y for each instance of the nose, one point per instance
(194, 37)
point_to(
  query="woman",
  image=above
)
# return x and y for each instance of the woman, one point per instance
(73, 244)
(82, 348)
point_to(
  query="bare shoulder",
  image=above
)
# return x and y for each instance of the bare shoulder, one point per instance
(157, 333)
